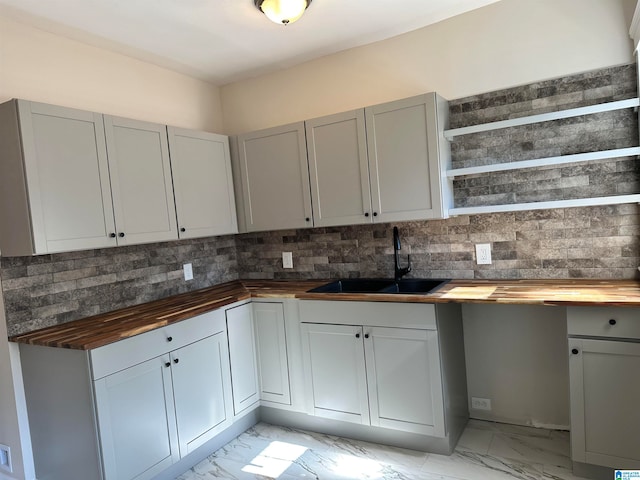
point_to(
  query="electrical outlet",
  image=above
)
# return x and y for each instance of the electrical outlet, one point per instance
(5, 459)
(287, 260)
(188, 271)
(478, 403)
(483, 254)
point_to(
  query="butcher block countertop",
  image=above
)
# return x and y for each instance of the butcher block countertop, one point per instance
(94, 332)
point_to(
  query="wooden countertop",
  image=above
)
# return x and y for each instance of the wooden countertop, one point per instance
(110, 327)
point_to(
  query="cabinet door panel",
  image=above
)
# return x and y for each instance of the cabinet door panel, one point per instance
(275, 178)
(271, 346)
(336, 381)
(140, 181)
(200, 382)
(405, 383)
(137, 422)
(338, 169)
(605, 394)
(405, 184)
(203, 183)
(242, 355)
(68, 178)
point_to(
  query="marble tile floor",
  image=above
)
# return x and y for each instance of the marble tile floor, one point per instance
(486, 451)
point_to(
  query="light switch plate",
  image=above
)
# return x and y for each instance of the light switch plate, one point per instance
(5, 459)
(287, 260)
(188, 271)
(483, 254)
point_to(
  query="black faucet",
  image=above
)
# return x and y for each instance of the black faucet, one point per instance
(399, 272)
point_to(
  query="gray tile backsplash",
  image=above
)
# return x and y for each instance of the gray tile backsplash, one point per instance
(584, 242)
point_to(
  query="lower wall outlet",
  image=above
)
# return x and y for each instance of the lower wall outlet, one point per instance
(188, 271)
(478, 403)
(287, 260)
(5, 459)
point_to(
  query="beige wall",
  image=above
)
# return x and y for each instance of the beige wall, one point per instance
(40, 66)
(508, 43)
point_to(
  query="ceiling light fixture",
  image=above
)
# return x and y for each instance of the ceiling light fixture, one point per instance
(283, 12)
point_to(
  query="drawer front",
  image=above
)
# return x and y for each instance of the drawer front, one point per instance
(134, 350)
(617, 322)
(373, 314)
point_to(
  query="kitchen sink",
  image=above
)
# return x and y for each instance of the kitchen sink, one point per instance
(380, 286)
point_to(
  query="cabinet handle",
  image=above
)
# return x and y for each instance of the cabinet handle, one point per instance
(169, 339)
(366, 214)
(176, 360)
(375, 214)
(182, 229)
(167, 364)
(575, 351)
(357, 335)
(121, 234)
(307, 219)
(112, 235)
(366, 335)
(612, 321)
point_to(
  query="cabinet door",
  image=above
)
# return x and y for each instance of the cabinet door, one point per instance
(336, 383)
(136, 421)
(242, 355)
(201, 384)
(67, 178)
(140, 181)
(203, 183)
(605, 394)
(339, 169)
(404, 379)
(275, 178)
(403, 159)
(271, 349)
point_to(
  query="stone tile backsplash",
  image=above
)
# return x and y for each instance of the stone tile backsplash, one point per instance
(584, 242)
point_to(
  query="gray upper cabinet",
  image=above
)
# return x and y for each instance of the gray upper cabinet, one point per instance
(275, 178)
(406, 153)
(141, 183)
(202, 183)
(339, 169)
(54, 180)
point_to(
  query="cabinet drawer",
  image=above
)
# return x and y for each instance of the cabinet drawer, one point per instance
(373, 314)
(131, 351)
(604, 322)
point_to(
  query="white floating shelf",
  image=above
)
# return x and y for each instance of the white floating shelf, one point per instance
(543, 117)
(517, 207)
(544, 162)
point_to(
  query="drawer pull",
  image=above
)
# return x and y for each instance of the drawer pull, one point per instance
(612, 322)
(575, 351)
(357, 335)
(176, 360)
(167, 364)
(169, 339)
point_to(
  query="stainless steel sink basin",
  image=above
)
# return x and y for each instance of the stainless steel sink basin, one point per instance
(380, 285)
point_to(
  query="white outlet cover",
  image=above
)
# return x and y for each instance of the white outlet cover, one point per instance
(5, 459)
(478, 403)
(188, 271)
(287, 259)
(483, 254)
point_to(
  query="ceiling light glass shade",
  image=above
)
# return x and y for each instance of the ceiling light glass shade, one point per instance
(283, 12)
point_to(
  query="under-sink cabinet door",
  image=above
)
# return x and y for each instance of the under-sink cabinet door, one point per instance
(335, 378)
(200, 373)
(271, 350)
(605, 402)
(242, 356)
(404, 379)
(136, 418)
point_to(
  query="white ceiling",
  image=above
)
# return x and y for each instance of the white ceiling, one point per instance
(223, 41)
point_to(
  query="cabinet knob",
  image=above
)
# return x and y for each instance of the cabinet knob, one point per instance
(112, 235)
(307, 219)
(575, 351)
(182, 229)
(169, 339)
(375, 214)
(121, 234)
(357, 335)
(366, 214)
(366, 335)
(167, 364)
(612, 321)
(176, 360)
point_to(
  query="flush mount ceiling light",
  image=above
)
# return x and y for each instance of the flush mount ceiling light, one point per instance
(283, 12)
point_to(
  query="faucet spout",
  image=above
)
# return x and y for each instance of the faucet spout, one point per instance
(399, 272)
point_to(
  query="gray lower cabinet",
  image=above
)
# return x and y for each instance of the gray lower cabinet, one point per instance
(275, 178)
(604, 361)
(130, 409)
(386, 365)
